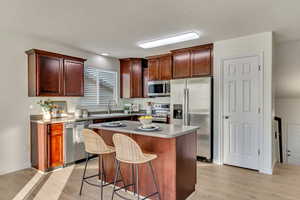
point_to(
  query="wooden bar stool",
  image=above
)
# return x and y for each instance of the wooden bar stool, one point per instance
(94, 144)
(128, 151)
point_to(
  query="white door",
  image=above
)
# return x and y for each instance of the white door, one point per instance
(241, 111)
(293, 146)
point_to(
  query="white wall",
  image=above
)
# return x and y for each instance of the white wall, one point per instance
(287, 70)
(287, 83)
(258, 44)
(289, 111)
(15, 105)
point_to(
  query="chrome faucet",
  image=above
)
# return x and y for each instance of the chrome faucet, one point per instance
(109, 106)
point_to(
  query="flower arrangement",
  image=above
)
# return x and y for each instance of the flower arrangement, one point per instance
(47, 106)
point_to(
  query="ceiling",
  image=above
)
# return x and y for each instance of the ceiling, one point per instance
(115, 26)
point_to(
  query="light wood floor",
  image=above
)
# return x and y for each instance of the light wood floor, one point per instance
(214, 183)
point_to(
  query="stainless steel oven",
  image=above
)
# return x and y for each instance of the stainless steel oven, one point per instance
(158, 88)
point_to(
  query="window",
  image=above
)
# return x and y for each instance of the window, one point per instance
(100, 87)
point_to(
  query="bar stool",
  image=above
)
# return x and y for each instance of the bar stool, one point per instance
(95, 145)
(128, 151)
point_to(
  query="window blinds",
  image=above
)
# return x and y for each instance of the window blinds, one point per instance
(100, 87)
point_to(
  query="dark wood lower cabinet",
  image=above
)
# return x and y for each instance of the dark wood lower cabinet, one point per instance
(55, 145)
(47, 143)
(46, 146)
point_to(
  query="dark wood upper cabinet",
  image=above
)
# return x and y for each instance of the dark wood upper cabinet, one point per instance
(131, 77)
(201, 62)
(165, 66)
(73, 78)
(153, 67)
(193, 62)
(49, 76)
(160, 67)
(145, 82)
(52, 74)
(136, 78)
(125, 70)
(182, 64)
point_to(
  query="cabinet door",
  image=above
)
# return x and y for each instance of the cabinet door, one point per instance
(200, 62)
(55, 145)
(165, 66)
(50, 76)
(136, 79)
(181, 64)
(125, 78)
(73, 78)
(153, 67)
(145, 82)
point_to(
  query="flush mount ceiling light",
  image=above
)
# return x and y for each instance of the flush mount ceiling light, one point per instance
(104, 54)
(169, 40)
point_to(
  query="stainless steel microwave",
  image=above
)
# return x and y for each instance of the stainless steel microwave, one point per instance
(158, 88)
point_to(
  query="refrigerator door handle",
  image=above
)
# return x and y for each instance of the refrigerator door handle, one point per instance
(187, 106)
(184, 107)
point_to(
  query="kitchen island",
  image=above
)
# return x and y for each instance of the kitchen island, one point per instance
(175, 167)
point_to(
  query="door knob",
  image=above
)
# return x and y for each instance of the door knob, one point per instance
(226, 117)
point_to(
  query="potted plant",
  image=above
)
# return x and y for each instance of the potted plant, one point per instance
(47, 106)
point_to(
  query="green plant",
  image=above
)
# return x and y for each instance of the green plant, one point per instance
(46, 105)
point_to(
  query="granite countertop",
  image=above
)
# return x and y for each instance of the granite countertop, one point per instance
(71, 118)
(166, 130)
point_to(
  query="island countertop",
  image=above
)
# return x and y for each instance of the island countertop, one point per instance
(165, 131)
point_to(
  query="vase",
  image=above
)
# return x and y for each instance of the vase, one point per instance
(46, 115)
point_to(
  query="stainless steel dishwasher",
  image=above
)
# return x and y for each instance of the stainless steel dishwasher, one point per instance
(73, 141)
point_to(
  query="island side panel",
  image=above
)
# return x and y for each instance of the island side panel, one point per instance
(164, 166)
(186, 171)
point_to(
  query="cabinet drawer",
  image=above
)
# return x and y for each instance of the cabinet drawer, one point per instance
(56, 129)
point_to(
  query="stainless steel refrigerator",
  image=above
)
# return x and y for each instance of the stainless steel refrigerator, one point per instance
(191, 104)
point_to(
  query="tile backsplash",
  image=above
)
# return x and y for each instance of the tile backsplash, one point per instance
(143, 101)
(74, 102)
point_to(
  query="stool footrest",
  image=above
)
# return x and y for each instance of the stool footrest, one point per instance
(92, 176)
(125, 186)
(111, 183)
(150, 195)
(122, 196)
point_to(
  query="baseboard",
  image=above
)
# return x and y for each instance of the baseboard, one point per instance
(266, 171)
(6, 171)
(217, 162)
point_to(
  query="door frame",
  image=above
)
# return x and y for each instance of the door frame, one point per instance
(221, 107)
